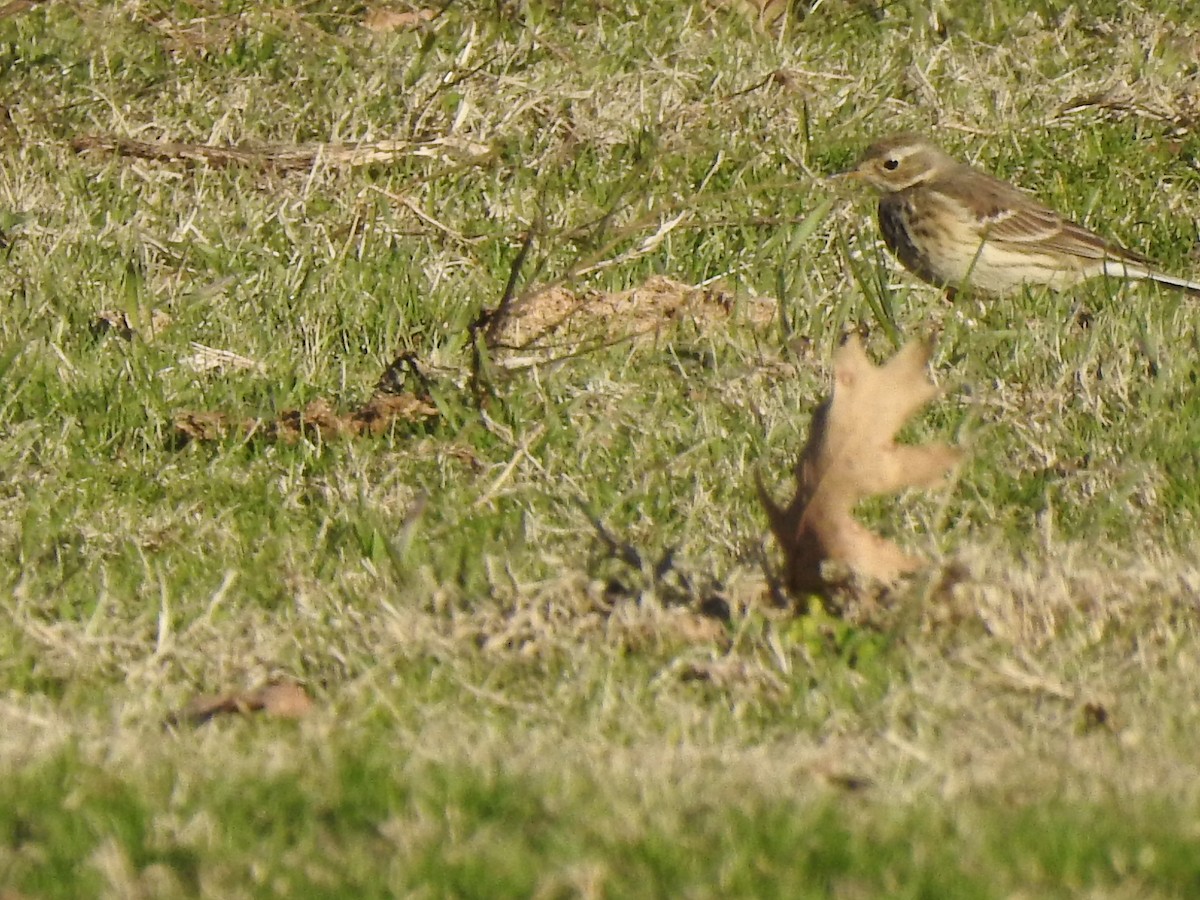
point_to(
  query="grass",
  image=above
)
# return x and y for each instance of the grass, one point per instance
(506, 705)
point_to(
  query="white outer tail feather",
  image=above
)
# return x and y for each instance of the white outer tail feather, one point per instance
(1118, 269)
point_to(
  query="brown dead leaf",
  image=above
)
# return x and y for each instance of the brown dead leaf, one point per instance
(382, 19)
(557, 322)
(286, 700)
(763, 13)
(318, 420)
(851, 454)
(17, 6)
(377, 415)
(198, 38)
(200, 426)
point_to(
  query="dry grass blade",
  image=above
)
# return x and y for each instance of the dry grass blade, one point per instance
(285, 157)
(205, 359)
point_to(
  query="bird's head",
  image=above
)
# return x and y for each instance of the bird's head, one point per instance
(899, 162)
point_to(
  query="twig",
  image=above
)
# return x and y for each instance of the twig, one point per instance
(489, 321)
(285, 157)
(522, 451)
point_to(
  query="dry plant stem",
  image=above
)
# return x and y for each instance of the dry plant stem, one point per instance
(299, 156)
(493, 320)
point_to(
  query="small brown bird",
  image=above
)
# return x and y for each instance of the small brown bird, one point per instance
(952, 225)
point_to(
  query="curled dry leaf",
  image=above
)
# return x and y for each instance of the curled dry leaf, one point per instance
(763, 13)
(203, 427)
(14, 8)
(851, 454)
(317, 420)
(286, 700)
(383, 19)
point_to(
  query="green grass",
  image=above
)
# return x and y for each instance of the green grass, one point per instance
(367, 822)
(504, 705)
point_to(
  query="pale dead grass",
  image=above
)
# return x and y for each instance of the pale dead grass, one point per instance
(1017, 676)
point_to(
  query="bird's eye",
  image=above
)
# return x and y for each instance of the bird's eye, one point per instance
(891, 164)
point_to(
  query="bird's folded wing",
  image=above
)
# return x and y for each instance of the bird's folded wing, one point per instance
(1008, 215)
(1044, 229)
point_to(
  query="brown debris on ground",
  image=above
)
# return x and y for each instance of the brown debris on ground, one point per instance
(382, 19)
(126, 327)
(209, 359)
(766, 14)
(16, 7)
(851, 454)
(317, 420)
(286, 700)
(288, 157)
(556, 322)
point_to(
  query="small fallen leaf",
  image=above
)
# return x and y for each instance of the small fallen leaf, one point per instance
(17, 6)
(286, 700)
(317, 419)
(381, 19)
(764, 13)
(200, 426)
(377, 415)
(851, 454)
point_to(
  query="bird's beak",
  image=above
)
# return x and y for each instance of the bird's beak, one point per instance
(852, 173)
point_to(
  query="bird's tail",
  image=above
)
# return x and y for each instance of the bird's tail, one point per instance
(1119, 269)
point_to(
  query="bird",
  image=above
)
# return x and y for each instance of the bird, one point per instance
(953, 225)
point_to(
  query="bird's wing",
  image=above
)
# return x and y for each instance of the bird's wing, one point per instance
(1006, 214)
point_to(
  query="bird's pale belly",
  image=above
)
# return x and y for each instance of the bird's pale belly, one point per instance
(936, 251)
